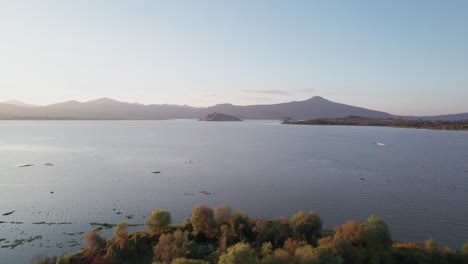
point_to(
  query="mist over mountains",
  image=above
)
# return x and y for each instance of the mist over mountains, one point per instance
(105, 108)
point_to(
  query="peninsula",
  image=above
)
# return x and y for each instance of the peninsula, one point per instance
(384, 122)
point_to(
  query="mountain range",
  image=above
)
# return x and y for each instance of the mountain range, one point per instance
(105, 108)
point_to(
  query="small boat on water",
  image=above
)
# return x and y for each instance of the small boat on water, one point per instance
(380, 144)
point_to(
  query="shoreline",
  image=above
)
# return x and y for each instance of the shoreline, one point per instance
(215, 235)
(379, 122)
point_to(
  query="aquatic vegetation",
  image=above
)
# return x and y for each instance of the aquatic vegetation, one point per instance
(103, 225)
(19, 242)
(26, 165)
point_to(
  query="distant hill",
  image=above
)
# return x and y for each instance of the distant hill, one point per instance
(106, 108)
(315, 107)
(19, 103)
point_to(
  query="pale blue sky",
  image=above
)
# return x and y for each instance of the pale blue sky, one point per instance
(404, 57)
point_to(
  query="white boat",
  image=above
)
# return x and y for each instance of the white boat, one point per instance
(380, 144)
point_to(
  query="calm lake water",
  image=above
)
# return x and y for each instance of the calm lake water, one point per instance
(417, 182)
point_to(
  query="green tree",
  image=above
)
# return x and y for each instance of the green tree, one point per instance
(203, 221)
(241, 227)
(306, 226)
(240, 253)
(376, 235)
(94, 240)
(158, 220)
(328, 256)
(280, 230)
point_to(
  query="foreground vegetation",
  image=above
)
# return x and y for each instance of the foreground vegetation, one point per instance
(384, 122)
(229, 237)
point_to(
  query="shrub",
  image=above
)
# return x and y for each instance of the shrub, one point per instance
(94, 240)
(121, 235)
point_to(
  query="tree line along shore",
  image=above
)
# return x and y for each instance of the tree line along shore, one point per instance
(230, 237)
(383, 122)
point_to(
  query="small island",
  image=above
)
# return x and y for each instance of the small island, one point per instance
(384, 122)
(220, 117)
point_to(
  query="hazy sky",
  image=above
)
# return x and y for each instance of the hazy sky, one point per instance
(404, 57)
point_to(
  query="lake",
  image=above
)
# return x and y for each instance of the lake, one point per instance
(102, 172)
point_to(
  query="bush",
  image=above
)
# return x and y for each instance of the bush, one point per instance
(121, 235)
(94, 240)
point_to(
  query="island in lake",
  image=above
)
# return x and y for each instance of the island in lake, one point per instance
(220, 117)
(384, 122)
(232, 237)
